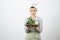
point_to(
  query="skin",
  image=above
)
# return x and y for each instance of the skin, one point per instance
(33, 15)
(33, 12)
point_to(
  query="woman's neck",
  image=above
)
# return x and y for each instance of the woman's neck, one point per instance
(33, 16)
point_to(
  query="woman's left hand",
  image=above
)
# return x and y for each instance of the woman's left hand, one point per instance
(37, 28)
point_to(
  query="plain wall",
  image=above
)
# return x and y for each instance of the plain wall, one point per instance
(13, 13)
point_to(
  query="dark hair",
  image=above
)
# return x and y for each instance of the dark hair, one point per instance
(33, 7)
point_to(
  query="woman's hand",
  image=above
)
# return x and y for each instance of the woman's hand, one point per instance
(27, 29)
(37, 29)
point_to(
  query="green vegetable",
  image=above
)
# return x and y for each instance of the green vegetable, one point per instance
(30, 21)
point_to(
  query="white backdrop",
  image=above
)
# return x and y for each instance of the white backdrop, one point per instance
(13, 13)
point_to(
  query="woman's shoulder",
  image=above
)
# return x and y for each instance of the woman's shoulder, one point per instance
(26, 18)
(39, 18)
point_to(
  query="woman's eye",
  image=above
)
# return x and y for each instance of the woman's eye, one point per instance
(34, 10)
(31, 10)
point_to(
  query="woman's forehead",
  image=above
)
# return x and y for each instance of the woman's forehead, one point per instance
(33, 9)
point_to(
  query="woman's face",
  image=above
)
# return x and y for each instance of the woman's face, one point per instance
(33, 11)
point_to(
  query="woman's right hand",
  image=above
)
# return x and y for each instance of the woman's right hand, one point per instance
(28, 28)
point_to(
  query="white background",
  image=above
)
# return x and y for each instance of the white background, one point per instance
(13, 13)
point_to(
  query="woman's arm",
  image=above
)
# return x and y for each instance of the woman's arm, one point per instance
(27, 29)
(37, 29)
(40, 27)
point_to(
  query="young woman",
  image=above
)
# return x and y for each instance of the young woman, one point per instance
(33, 33)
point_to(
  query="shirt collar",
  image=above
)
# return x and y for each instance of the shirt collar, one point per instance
(35, 18)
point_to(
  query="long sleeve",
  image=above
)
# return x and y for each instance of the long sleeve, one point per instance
(26, 28)
(40, 24)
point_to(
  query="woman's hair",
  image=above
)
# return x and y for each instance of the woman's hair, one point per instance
(32, 7)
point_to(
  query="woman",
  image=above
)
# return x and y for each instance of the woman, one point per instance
(33, 33)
